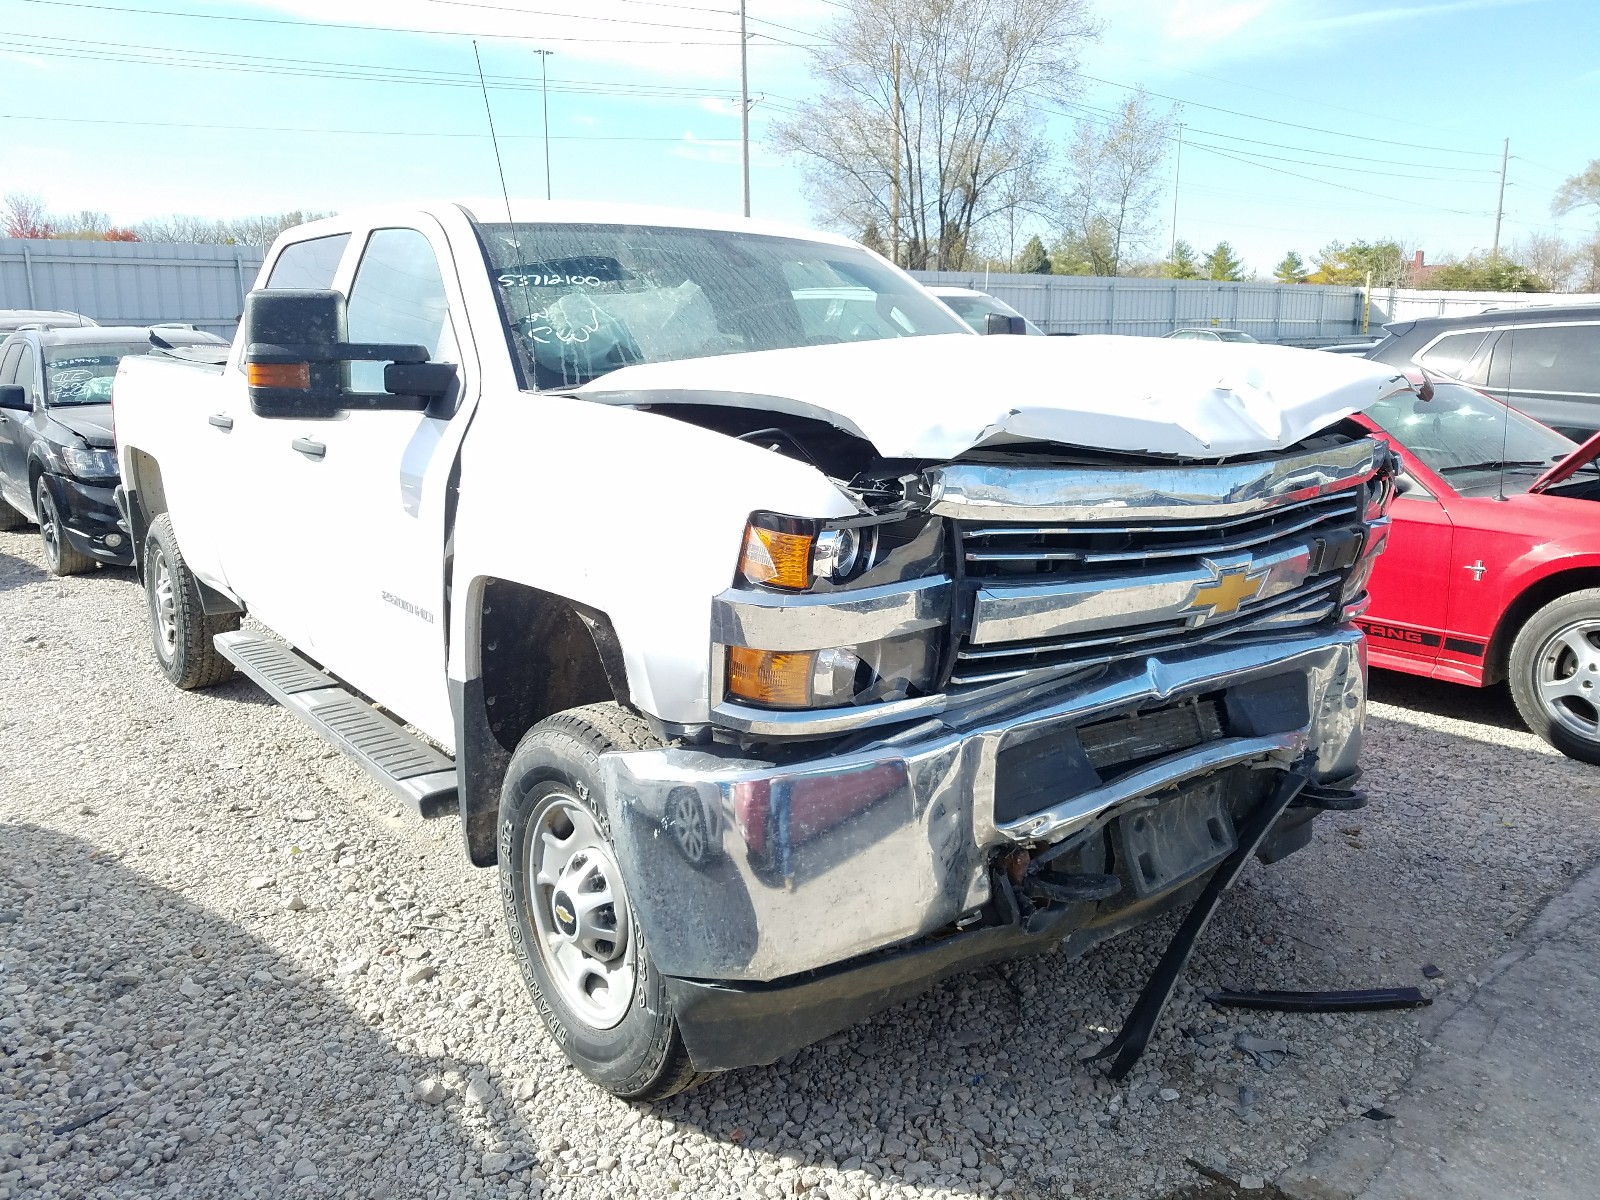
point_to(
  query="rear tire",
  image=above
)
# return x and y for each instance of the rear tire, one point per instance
(180, 631)
(1555, 674)
(10, 518)
(576, 937)
(60, 557)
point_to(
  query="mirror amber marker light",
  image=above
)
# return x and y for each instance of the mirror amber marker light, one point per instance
(279, 375)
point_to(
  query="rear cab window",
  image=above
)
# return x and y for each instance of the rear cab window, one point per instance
(309, 265)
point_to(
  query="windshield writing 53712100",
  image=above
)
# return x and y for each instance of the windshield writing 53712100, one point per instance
(584, 300)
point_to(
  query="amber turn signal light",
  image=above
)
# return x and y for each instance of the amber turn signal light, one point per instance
(278, 375)
(775, 678)
(776, 558)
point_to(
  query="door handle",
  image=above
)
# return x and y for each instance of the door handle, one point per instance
(312, 450)
(222, 421)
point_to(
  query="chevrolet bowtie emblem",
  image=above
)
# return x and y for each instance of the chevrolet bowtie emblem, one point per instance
(1232, 588)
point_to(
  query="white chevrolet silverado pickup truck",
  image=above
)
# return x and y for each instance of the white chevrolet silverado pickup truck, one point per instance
(786, 644)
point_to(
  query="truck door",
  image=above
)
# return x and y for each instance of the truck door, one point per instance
(259, 519)
(375, 499)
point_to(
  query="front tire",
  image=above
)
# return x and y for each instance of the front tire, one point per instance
(576, 937)
(180, 631)
(1555, 674)
(60, 557)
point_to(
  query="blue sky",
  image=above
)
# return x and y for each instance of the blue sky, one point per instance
(1305, 120)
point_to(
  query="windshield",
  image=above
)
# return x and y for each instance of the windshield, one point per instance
(1465, 436)
(1234, 335)
(583, 300)
(81, 373)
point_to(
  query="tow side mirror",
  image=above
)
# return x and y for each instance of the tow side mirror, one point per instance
(1000, 323)
(14, 396)
(296, 360)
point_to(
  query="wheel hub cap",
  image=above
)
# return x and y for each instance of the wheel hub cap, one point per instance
(1567, 676)
(580, 912)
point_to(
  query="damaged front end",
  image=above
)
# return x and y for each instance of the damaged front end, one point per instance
(1022, 701)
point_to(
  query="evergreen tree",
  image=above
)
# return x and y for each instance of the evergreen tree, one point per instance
(1033, 260)
(1291, 270)
(872, 238)
(1221, 263)
(1182, 264)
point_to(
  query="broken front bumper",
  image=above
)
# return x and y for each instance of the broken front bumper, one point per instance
(746, 870)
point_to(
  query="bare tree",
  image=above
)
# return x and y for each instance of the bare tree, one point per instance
(927, 116)
(24, 216)
(1548, 258)
(239, 231)
(1586, 274)
(1113, 181)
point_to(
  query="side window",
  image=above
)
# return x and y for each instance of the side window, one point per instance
(397, 298)
(24, 375)
(8, 364)
(309, 265)
(1451, 353)
(1553, 358)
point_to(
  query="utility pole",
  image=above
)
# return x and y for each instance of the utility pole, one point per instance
(894, 189)
(1177, 167)
(744, 105)
(544, 93)
(1500, 205)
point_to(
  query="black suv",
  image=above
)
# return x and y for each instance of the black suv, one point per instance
(1544, 360)
(57, 462)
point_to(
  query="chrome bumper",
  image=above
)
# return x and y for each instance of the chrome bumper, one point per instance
(819, 861)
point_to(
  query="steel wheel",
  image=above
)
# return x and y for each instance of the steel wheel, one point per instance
(686, 822)
(580, 912)
(166, 605)
(1567, 677)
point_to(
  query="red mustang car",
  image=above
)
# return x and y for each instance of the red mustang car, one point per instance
(1493, 565)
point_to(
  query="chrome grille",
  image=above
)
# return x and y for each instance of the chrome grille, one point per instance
(1043, 571)
(1002, 551)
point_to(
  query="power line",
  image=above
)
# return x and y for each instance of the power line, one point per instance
(1234, 137)
(1288, 124)
(305, 24)
(420, 133)
(83, 49)
(1253, 154)
(1342, 186)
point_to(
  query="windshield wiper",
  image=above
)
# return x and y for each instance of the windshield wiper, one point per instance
(1491, 466)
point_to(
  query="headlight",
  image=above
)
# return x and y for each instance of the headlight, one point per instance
(87, 463)
(793, 552)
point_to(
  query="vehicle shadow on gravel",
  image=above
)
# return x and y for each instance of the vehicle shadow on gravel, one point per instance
(18, 572)
(1487, 706)
(151, 1047)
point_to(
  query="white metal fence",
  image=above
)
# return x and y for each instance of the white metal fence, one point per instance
(138, 283)
(130, 283)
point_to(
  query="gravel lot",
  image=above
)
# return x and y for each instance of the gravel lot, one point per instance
(229, 966)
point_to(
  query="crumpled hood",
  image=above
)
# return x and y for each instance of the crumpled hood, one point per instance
(937, 397)
(91, 422)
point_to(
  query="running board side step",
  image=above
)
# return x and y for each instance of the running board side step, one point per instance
(417, 774)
